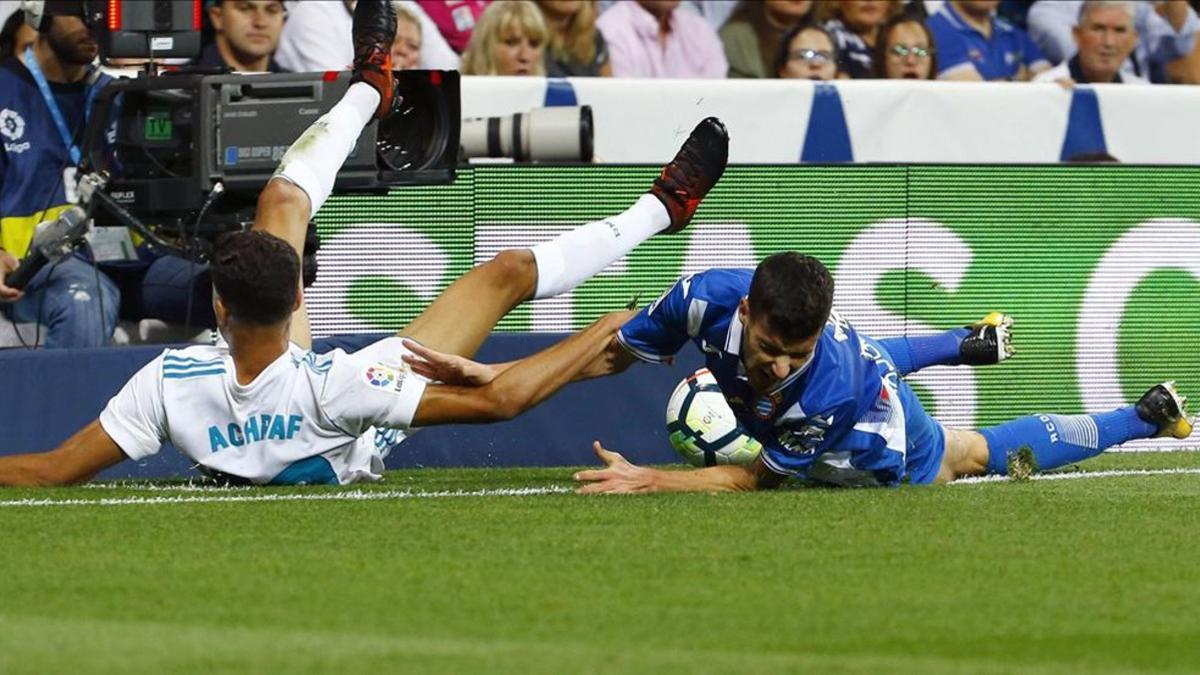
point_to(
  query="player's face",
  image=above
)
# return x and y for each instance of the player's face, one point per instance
(768, 358)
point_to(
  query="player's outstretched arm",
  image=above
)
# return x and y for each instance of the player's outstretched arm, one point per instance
(459, 370)
(524, 384)
(88, 452)
(620, 476)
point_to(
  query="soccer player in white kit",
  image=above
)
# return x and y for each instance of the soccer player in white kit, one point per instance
(264, 409)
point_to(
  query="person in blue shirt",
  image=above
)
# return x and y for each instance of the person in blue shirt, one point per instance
(829, 404)
(45, 93)
(975, 45)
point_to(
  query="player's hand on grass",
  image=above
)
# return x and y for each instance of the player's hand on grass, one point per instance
(618, 477)
(447, 368)
(7, 264)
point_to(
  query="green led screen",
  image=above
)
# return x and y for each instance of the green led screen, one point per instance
(1100, 265)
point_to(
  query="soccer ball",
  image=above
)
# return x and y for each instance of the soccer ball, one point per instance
(702, 427)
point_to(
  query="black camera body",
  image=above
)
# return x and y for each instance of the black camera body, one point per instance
(166, 141)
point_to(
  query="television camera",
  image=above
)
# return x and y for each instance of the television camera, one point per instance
(180, 157)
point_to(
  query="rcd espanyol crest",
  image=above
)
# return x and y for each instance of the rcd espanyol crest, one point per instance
(803, 437)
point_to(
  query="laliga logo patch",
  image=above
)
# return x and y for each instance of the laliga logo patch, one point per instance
(380, 376)
(12, 125)
(385, 377)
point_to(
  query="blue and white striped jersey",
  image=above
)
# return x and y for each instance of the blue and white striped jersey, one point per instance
(839, 418)
(307, 418)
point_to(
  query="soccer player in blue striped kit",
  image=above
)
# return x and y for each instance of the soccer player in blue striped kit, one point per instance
(829, 404)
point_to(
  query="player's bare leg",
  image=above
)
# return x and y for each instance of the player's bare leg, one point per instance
(461, 318)
(966, 455)
(305, 177)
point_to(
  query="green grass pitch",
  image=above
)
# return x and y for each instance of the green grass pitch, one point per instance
(1047, 576)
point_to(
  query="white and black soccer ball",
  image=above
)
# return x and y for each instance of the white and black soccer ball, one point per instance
(701, 426)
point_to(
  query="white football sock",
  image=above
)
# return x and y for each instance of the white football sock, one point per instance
(312, 162)
(576, 256)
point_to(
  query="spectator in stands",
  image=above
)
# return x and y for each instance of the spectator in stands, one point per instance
(854, 25)
(974, 45)
(576, 48)
(246, 35)
(16, 36)
(509, 39)
(905, 50)
(455, 19)
(44, 97)
(406, 48)
(658, 38)
(1105, 37)
(755, 30)
(715, 12)
(316, 37)
(1166, 30)
(807, 52)
(1186, 69)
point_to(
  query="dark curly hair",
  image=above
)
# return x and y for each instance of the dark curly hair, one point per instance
(793, 292)
(257, 276)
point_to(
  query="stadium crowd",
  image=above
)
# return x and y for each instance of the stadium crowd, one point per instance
(49, 82)
(992, 40)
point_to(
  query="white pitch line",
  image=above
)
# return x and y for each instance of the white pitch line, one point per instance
(1078, 474)
(354, 495)
(172, 487)
(380, 495)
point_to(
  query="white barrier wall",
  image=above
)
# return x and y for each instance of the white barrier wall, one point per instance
(779, 121)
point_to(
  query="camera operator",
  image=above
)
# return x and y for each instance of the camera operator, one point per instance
(44, 97)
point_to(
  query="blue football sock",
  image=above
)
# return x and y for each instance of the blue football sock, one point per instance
(1058, 440)
(911, 354)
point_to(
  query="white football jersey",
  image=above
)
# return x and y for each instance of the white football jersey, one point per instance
(306, 418)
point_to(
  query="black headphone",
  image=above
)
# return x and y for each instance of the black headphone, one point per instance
(39, 13)
(35, 15)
